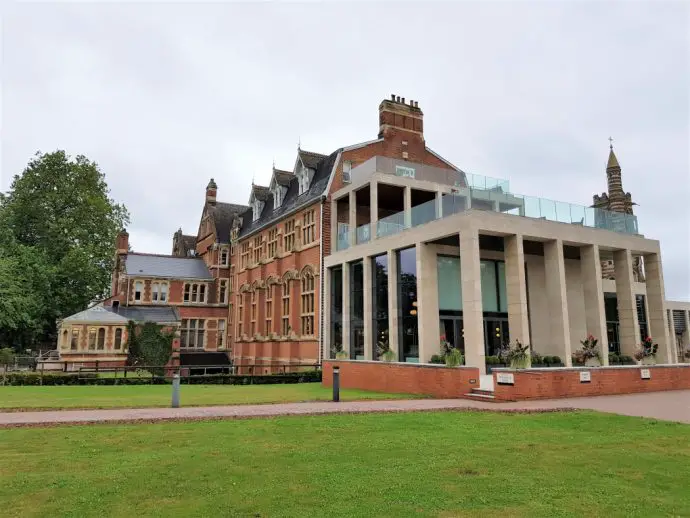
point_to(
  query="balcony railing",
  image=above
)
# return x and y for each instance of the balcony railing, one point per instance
(495, 200)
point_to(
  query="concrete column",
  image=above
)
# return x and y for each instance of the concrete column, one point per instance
(373, 208)
(629, 328)
(439, 204)
(516, 288)
(592, 287)
(352, 208)
(334, 226)
(554, 266)
(407, 205)
(346, 309)
(393, 321)
(369, 339)
(656, 310)
(427, 302)
(326, 314)
(472, 311)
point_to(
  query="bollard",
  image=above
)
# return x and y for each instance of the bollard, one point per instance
(336, 384)
(176, 390)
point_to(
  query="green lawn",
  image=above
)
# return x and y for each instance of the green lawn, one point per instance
(131, 396)
(417, 464)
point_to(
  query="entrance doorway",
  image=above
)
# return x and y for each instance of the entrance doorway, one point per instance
(452, 328)
(495, 334)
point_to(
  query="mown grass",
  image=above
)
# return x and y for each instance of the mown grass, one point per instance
(135, 396)
(414, 464)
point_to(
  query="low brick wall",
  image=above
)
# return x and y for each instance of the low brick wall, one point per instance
(566, 382)
(403, 378)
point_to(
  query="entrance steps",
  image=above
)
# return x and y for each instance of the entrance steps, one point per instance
(478, 393)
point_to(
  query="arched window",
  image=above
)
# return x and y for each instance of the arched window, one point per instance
(92, 339)
(307, 303)
(101, 339)
(117, 344)
(65, 339)
(74, 345)
(269, 310)
(285, 323)
(138, 290)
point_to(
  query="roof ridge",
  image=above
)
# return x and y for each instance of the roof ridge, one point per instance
(169, 256)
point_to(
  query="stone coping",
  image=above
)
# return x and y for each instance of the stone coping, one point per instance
(404, 364)
(579, 368)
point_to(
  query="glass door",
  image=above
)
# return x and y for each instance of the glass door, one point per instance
(495, 334)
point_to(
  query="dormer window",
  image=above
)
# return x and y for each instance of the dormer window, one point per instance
(257, 207)
(304, 178)
(277, 196)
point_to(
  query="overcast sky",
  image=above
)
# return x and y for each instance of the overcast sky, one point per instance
(166, 96)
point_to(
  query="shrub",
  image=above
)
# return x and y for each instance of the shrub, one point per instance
(32, 378)
(627, 360)
(149, 344)
(555, 360)
(454, 358)
(537, 358)
(493, 360)
(614, 359)
(437, 359)
(519, 356)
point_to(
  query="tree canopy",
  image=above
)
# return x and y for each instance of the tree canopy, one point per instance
(58, 227)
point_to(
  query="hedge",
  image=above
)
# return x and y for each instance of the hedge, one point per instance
(32, 378)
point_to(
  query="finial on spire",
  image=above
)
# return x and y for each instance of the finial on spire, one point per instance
(299, 143)
(610, 143)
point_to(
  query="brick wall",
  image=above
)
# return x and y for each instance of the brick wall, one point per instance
(403, 378)
(559, 383)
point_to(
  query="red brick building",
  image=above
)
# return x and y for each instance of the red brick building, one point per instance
(188, 291)
(249, 283)
(287, 230)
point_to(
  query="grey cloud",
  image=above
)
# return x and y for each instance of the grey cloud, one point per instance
(165, 96)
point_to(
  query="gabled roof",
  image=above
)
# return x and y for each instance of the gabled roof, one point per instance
(282, 177)
(259, 192)
(223, 215)
(166, 266)
(293, 200)
(309, 159)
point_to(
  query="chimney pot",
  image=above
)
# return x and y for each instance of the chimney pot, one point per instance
(392, 97)
(416, 104)
(403, 100)
(411, 102)
(397, 99)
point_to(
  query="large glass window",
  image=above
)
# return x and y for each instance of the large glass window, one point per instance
(642, 316)
(489, 287)
(502, 293)
(357, 310)
(380, 303)
(612, 327)
(336, 310)
(407, 305)
(449, 284)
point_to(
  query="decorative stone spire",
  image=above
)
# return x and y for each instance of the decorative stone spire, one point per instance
(211, 191)
(616, 193)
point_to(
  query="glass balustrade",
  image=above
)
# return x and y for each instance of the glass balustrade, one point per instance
(493, 199)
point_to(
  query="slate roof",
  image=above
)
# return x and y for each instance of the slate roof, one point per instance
(223, 215)
(159, 315)
(310, 159)
(96, 314)
(293, 201)
(261, 192)
(283, 177)
(167, 266)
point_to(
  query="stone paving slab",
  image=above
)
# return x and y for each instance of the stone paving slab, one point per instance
(671, 406)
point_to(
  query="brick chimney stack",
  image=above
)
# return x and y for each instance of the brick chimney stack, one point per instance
(122, 243)
(396, 116)
(211, 190)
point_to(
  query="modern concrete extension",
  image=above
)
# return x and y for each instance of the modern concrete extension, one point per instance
(554, 289)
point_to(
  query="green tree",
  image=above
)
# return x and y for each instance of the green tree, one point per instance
(149, 345)
(60, 227)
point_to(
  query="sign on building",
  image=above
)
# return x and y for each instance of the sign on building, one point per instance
(585, 376)
(505, 378)
(405, 172)
(645, 374)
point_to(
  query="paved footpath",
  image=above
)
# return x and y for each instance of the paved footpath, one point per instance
(671, 406)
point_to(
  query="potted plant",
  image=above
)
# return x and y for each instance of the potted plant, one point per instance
(383, 348)
(519, 356)
(454, 358)
(589, 355)
(338, 352)
(646, 354)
